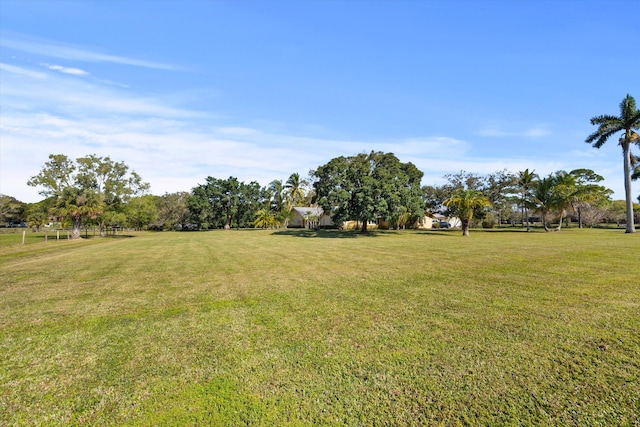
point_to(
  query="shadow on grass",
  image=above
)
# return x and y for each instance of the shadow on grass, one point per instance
(329, 234)
(439, 232)
(505, 230)
(110, 236)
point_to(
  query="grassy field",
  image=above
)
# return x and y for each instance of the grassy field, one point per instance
(294, 327)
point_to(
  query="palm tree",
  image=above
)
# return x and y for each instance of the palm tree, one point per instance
(466, 200)
(265, 219)
(565, 194)
(75, 204)
(628, 120)
(542, 198)
(280, 203)
(277, 194)
(526, 180)
(294, 188)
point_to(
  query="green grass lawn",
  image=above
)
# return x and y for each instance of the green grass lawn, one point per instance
(294, 327)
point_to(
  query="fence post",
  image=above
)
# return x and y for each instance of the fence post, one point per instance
(24, 232)
(45, 235)
(57, 234)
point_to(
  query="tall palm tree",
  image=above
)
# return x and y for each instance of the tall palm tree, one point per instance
(294, 188)
(608, 126)
(466, 200)
(277, 193)
(280, 203)
(526, 180)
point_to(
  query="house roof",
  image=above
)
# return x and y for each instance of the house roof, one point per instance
(305, 211)
(435, 215)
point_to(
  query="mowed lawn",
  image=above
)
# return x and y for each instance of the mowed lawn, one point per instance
(295, 327)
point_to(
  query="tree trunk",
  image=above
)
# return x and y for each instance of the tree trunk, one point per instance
(627, 184)
(527, 218)
(544, 220)
(579, 216)
(559, 227)
(364, 226)
(75, 231)
(465, 227)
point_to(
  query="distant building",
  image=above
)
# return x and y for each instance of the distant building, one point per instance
(309, 217)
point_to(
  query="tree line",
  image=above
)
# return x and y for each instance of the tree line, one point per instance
(98, 192)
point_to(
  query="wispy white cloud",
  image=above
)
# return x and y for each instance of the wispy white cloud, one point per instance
(175, 148)
(66, 70)
(53, 49)
(22, 71)
(42, 92)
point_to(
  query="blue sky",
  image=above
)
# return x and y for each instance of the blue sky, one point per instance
(182, 90)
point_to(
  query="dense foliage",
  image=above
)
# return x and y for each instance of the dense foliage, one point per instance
(12, 211)
(90, 187)
(97, 192)
(225, 203)
(366, 187)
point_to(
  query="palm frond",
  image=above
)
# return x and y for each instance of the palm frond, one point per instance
(608, 126)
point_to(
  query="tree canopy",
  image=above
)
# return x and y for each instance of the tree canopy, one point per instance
(86, 188)
(366, 187)
(224, 203)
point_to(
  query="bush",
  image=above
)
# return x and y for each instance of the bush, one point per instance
(489, 223)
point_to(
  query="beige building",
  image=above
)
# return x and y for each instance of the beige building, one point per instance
(309, 217)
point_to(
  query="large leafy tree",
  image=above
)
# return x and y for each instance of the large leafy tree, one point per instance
(251, 199)
(466, 201)
(366, 187)
(140, 212)
(73, 198)
(112, 182)
(500, 188)
(173, 212)
(12, 211)
(588, 193)
(626, 123)
(86, 188)
(225, 203)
